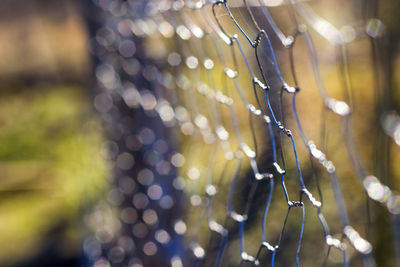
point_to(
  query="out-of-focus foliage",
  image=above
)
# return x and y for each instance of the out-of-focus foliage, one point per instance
(51, 165)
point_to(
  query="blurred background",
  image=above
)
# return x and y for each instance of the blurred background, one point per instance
(57, 166)
(52, 163)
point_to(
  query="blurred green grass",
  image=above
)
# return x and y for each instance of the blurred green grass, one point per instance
(51, 167)
(51, 163)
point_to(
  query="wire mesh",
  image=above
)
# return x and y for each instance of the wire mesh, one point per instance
(196, 103)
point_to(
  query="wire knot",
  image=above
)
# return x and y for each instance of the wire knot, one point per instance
(257, 41)
(295, 204)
